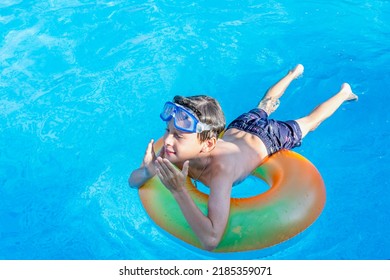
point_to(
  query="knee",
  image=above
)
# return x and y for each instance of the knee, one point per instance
(314, 126)
(307, 125)
(269, 105)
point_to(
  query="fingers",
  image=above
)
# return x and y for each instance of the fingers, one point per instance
(161, 153)
(164, 173)
(165, 166)
(186, 165)
(159, 168)
(149, 148)
(158, 172)
(168, 173)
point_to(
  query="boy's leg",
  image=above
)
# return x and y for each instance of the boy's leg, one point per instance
(326, 109)
(270, 101)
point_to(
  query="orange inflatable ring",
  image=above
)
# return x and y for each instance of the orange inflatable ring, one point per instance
(294, 201)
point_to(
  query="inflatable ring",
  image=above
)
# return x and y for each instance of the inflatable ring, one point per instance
(294, 201)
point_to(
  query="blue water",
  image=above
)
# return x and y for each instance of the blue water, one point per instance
(82, 83)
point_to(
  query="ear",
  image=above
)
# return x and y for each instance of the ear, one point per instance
(209, 144)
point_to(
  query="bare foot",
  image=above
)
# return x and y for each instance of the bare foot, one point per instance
(297, 71)
(347, 88)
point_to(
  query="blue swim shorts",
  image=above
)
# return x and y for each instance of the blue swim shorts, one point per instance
(276, 135)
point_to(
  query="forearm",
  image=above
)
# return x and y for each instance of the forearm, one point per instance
(208, 228)
(208, 235)
(138, 177)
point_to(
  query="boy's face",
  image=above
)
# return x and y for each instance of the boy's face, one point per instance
(180, 146)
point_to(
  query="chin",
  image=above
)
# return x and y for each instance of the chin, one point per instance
(171, 157)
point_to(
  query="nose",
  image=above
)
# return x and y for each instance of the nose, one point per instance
(168, 137)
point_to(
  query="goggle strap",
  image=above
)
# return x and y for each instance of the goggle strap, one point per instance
(202, 127)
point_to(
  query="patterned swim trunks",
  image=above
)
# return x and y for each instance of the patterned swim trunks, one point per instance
(276, 135)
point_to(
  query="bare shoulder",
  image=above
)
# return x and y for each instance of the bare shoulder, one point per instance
(223, 165)
(225, 154)
(221, 172)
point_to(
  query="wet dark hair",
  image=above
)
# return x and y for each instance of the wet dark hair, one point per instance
(208, 111)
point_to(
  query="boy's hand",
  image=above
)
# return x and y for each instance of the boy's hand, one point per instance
(149, 159)
(173, 178)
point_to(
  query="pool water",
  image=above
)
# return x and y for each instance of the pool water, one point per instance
(82, 83)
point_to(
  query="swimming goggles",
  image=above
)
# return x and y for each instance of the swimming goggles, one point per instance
(184, 119)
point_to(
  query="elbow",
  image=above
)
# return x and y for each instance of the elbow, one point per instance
(210, 244)
(212, 238)
(132, 184)
(209, 248)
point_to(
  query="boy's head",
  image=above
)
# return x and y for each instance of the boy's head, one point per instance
(207, 111)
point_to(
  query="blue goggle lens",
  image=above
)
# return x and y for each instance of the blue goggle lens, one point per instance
(183, 119)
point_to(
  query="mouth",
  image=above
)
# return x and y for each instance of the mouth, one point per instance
(168, 152)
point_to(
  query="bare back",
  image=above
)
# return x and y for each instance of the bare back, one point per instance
(238, 153)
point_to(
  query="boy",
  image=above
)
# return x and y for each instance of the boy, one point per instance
(191, 144)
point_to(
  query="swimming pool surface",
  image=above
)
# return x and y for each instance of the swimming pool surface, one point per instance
(81, 87)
